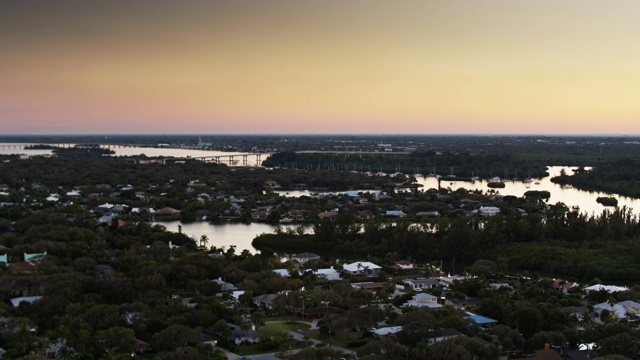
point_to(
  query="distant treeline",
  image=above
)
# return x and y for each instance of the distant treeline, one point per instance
(620, 177)
(464, 165)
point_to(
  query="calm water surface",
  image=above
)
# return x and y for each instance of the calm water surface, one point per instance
(226, 234)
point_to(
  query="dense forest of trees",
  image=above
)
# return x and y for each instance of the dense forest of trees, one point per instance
(561, 241)
(619, 177)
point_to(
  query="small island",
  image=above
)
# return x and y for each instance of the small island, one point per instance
(607, 201)
(496, 184)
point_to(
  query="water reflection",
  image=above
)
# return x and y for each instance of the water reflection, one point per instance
(226, 234)
(571, 197)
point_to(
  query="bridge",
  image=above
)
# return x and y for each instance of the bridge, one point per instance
(230, 159)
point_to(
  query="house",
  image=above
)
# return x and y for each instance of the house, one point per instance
(421, 283)
(167, 213)
(260, 214)
(462, 304)
(404, 265)
(442, 335)
(244, 336)
(482, 321)
(364, 215)
(304, 257)
(424, 300)
(34, 257)
(395, 213)
(295, 214)
(264, 301)
(271, 184)
(4, 259)
(141, 346)
(388, 330)
(235, 295)
(104, 207)
(563, 286)
(430, 214)
(607, 288)
(619, 310)
(361, 268)
(488, 210)
(371, 286)
(327, 273)
(28, 299)
(282, 272)
(224, 286)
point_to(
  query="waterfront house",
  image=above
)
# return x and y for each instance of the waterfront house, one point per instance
(166, 212)
(304, 257)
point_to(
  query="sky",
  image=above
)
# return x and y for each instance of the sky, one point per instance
(325, 66)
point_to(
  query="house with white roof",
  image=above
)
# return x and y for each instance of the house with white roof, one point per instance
(424, 300)
(384, 331)
(488, 210)
(362, 268)
(328, 274)
(607, 288)
(619, 310)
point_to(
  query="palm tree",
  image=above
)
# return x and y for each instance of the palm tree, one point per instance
(204, 240)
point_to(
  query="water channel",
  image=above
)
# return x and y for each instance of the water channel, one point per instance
(242, 234)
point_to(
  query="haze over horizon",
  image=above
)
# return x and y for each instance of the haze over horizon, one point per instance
(328, 67)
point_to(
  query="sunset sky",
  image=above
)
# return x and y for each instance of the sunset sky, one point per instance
(325, 66)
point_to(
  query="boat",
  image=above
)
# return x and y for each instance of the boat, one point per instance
(567, 186)
(537, 182)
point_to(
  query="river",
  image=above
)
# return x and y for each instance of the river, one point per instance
(241, 234)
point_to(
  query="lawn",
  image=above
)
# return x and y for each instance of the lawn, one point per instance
(341, 341)
(277, 327)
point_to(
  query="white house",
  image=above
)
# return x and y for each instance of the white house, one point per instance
(328, 274)
(620, 310)
(362, 268)
(424, 300)
(607, 288)
(488, 210)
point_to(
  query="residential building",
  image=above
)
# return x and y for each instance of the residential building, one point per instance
(361, 268)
